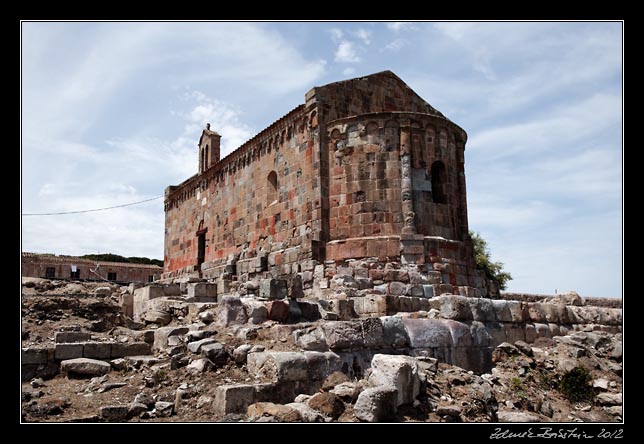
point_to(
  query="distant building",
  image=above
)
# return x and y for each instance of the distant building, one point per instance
(50, 266)
(364, 170)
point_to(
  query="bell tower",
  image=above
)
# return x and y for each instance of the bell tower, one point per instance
(208, 149)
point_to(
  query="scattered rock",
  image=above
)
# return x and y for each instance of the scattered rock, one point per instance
(448, 410)
(334, 379)
(216, 353)
(206, 316)
(609, 399)
(505, 416)
(524, 348)
(281, 413)
(163, 408)
(327, 403)
(240, 354)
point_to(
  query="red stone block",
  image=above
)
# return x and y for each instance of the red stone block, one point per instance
(277, 310)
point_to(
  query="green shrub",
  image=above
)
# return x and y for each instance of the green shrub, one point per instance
(576, 385)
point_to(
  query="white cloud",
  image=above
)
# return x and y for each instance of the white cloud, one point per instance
(348, 71)
(402, 26)
(396, 45)
(336, 34)
(364, 35)
(347, 53)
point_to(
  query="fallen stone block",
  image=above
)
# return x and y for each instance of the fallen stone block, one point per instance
(241, 353)
(310, 339)
(154, 316)
(85, 366)
(231, 311)
(397, 371)
(505, 416)
(198, 290)
(609, 399)
(279, 366)
(68, 351)
(233, 398)
(162, 334)
(195, 346)
(215, 353)
(123, 349)
(36, 356)
(164, 408)
(376, 404)
(329, 404)
(97, 350)
(71, 336)
(256, 311)
(114, 412)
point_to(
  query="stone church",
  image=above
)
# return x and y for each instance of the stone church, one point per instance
(365, 180)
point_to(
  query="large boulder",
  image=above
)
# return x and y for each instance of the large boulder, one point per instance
(281, 413)
(85, 366)
(397, 371)
(376, 404)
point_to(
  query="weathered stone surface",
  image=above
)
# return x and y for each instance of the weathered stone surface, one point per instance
(279, 366)
(195, 346)
(233, 398)
(310, 310)
(281, 413)
(310, 339)
(505, 416)
(376, 404)
(68, 351)
(321, 364)
(427, 333)
(273, 289)
(231, 311)
(453, 307)
(397, 371)
(114, 412)
(394, 333)
(71, 336)
(85, 366)
(163, 408)
(327, 403)
(343, 334)
(255, 310)
(524, 348)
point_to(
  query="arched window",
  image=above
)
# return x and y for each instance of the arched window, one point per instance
(271, 188)
(205, 158)
(439, 182)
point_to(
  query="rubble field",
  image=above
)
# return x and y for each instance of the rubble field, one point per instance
(176, 352)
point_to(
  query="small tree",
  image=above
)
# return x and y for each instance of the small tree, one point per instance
(493, 270)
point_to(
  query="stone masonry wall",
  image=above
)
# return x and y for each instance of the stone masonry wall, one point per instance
(36, 265)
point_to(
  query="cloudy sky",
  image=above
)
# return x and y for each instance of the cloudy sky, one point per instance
(112, 112)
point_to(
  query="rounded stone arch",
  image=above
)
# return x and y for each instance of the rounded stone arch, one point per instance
(373, 132)
(313, 119)
(335, 135)
(439, 182)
